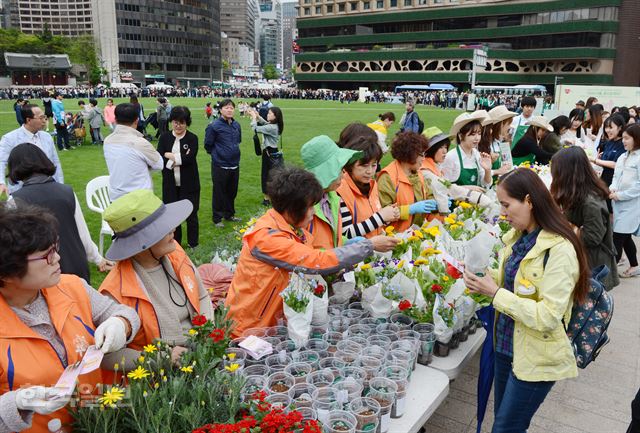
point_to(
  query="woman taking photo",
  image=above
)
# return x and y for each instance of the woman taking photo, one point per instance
(49, 320)
(271, 130)
(360, 208)
(180, 175)
(625, 197)
(542, 270)
(28, 164)
(581, 196)
(381, 127)
(279, 244)
(528, 149)
(400, 182)
(465, 165)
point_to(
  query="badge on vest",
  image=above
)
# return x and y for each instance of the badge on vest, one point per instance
(188, 283)
(473, 178)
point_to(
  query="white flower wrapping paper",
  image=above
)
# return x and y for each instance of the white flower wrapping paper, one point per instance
(442, 332)
(478, 252)
(439, 189)
(320, 304)
(299, 324)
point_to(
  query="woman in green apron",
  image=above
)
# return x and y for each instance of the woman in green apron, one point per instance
(497, 133)
(465, 165)
(520, 124)
(527, 149)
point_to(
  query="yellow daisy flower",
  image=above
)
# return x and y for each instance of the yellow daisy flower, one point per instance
(193, 332)
(420, 262)
(231, 368)
(365, 266)
(112, 396)
(389, 230)
(413, 238)
(231, 356)
(150, 348)
(418, 234)
(400, 264)
(138, 373)
(465, 205)
(433, 231)
(445, 278)
(141, 359)
(187, 369)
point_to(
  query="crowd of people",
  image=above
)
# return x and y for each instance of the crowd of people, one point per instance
(321, 218)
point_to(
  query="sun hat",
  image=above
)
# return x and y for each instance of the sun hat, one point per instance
(435, 136)
(139, 220)
(498, 114)
(541, 122)
(464, 118)
(322, 157)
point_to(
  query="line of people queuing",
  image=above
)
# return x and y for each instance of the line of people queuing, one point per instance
(323, 218)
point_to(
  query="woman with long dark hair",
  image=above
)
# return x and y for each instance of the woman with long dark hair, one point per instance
(593, 129)
(528, 149)
(574, 135)
(581, 195)
(271, 130)
(542, 270)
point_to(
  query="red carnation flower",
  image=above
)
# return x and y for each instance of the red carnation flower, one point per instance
(199, 320)
(453, 272)
(436, 288)
(319, 290)
(404, 305)
(217, 335)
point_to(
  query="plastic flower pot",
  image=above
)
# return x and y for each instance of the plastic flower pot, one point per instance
(356, 306)
(324, 402)
(236, 354)
(299, 370)
(409, 346)
(339, 324)
(455, 341)
(402, 321)
(387, 327)
(279, 332)
(359, 330)
(473, 325)
(348, 389)
(277, 362)
(359, 374)
(319, 346)
(441, 349)
(367, 413)
(370, 322)
(333, 364)
(332, 338)
(427, 340)
(321, 378)
(258, 332)
(400, 358)
(257, 370)
(350, 346)
(370, 364)
(340, 421)
(379, 340)
(362, 341)
(280, 382)
(394, 372)
(353, 314)
(400, 376)
(375, 352)
(464, 334)
(319, 329)
(383, 390)
(311, 357)
(279, 401)
(308, 414)
(300, 395)
(253, 384)
(349, 358)
(288, 346)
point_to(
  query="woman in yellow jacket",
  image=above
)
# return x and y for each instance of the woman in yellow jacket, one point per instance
(543, 270)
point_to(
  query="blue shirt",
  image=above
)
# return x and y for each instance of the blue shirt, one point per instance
(612, 150)
(21, 135)
(58, 111)
(222, 141)
(411, 123)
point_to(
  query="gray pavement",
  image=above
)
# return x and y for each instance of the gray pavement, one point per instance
(597, 401)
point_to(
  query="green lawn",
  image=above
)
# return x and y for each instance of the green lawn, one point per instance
(303, 120)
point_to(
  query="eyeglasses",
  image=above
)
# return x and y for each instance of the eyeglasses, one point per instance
(49, 255)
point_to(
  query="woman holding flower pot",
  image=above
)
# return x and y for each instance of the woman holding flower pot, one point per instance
(279, 243)
(542, 270)
(153, 274)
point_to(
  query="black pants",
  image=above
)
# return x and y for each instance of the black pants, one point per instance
(193, 230)
(63, 136)
(634, 427)
(268, 164)
(625, 241)
(225, 190)
(163, 126)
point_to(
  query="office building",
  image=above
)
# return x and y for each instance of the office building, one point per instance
(382, 43)
(289, 33)
(271, 33)
(238, 19)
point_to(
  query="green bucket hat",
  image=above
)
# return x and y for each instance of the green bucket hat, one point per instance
(322, 157)
(139, 220)
(435, 136)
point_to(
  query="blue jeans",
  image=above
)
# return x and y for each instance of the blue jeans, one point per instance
(515, 401)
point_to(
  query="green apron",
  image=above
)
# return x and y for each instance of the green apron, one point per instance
(517, 160)
(520, 131)
(468, 176)
(498, 162)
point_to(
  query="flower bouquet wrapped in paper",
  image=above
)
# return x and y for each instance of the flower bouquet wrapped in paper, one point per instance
(298, 309)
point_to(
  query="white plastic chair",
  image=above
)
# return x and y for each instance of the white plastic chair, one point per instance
(97, 195)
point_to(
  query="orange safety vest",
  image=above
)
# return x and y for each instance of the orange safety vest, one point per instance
(254, 299)
(430, 164)
(27, 358)
(360, 206)
(324, 235)
(123, 284)
(404, 192)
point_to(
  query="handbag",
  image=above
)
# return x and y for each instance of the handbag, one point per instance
(276, 159)
(256, 144)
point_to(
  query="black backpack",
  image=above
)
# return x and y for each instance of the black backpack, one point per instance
(420, 125)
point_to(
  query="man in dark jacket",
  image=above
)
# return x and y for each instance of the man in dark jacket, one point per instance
(222, 141)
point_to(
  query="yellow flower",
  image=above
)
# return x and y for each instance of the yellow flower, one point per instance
(433, 231)
(112, 396)
(141, 359)
(157, 385)
(418, 234)
(150, 348)
(400, 264)
(449, 220)
(145, 393)
(242, 230)
(231, 368)
(445, 278)
(413, 238)
(465, 205)
(164, 378)
(138, 373)
(453, 216)
(420, 262)
(365, 266)
(187, 369)
(429, 251)
(502, 217)
(231, 356)
(116, 367)
(193, 332)
(525, 282)
(467, 291)
(389, 230)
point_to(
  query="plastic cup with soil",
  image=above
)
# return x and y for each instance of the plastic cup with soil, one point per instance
(455, 341)
(379, 340)
(359, 330)
(383, 390)
(308, 414)
(401, 359)
(400, 376)
(321, 378)
(325, 401)
(280, 383)
(353, 314)
(319, 329)
(339, 324)
(333, 364)
(301, 395)
(408, 346)
(299, 370)
(464, 334)
(384, 327)
(332, 338)
(350, 346)
(348, 390)
(318, 345)
(311, 357)
(340, 421)
(359, 374)
(441, 350)
(258, 332)
(277, 362)
(370, 322)
(257, 370)
(349, 358)
(235, 354)
(371, 365)
(252, 385)
(427, 340)
(367, 413)
(279, 332)
(279, 401)
(287, 346)
(378, 352)
(356, 306)
(402, 321)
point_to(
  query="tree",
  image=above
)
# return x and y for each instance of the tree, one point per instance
(269, 72)
(226, 65)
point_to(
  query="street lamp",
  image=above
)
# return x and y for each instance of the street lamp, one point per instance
(555, 86)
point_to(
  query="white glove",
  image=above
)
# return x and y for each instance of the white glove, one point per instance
(111, 335)
(40, 400)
